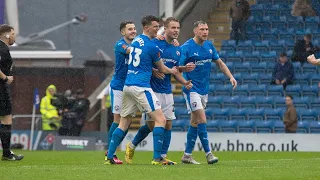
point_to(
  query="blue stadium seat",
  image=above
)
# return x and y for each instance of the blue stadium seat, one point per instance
(264, 101)
(231, 101)
(257, 89)
(297, 67)
(178, 125)
(287, 34)
(251, 79)
(303, 79)
(254, 56)
(236, 113)
(244, 46)
(270, 34)
(309, 68)
(223, 90)
(272, 10)
(274, 114)
(312, 22)
(293, 90)
(265, 78)
(285, 12)
(269, 57)
(181, 113)
(275, 90)
(217, 78)
(279, 102)
(303, 127)
(259, 67)
(264, 126)
(222, 55)
(315, 79)
(237, 56)
(215, 101)
(221, 114)
(315, 127)
(301, 102)
(248, 102)
(295, 22)
(278, 127)
(315, 103)
(228, 45)
(278, 22)
(213, 125)
(257, 9)
(262, 46)
(254, 114)
(241, 67)
(209, 113)
(241, 90)
(278, 45)
(246, 126)
(228, 126)
(264, 23)
(308, 114)
(179, 101)
(311, 91)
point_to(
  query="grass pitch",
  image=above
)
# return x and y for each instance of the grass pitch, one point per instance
(77, 165)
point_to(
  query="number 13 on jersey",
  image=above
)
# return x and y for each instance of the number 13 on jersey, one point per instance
(134, 56)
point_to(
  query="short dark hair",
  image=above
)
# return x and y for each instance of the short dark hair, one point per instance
(147, 20)
(283, 54)
(168, 20)
(309, 36)
(123, 24)
(289, 96)
(5, 28)
(197, 23)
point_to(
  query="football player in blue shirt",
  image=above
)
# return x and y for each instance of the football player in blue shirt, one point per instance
(201, 52)
(161, 85)
(137, 92)
(121, 50)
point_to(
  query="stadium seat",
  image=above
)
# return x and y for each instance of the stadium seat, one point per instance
(278, 22)
(213, 125)
(264, 101)
(315, 127)
(264, 126)
(241, 90)
(248, 102)
(272, 10)
(217, 78)
(179, 101)
(209, 113)
(236, 113)
(315, 103)
(315, 79)
(287, 34)
(269, 57)
(270, 34)
(221, 114)
(279, 102)
(253, 56)
(293, 90)
(244, 46)
(265, 78)
(258, 67)
(295, 22)
(308, 114)
(228, 126)
(231, 101)
(181, 113)
(246, 126)
(278, 45)
(274, 114)
(255, 90)
(254, 114)
(223, 90)
(262, 46)
(309, 68)
(236, 56)
(278, 127)
(241, 67)
(275, 90)
(178, 125)
(302, 79)
(215, 101)
(250, 79)
(303, 127)
(228, 45)
(312, 22)
(301, 102)
(311, 91)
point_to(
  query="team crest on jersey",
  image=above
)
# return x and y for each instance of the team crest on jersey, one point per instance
(124, 46)
(158, 103)
(210, 50)
(178, 53)
(117, 108)
(194, 104)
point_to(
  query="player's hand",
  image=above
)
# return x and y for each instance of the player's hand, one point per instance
(234, 83)
(174, 70)
(283, 81)
(175, 43)
(312, 59)
(10, 79)
(190, 67)
(160, 37)
(157, 74)
(188, 85)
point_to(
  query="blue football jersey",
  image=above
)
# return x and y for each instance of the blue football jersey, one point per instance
(143, 54)
(201, 56)
(170, 56)
(121, 69)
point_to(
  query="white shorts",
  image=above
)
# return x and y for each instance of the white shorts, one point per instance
(116, 101)
(138, 98)
(167, 107)
(195, 101)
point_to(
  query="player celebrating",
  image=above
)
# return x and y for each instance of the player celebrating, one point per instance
(137, 92)
(161, 85)
(201, 52)
(313, 60)
(121, 50)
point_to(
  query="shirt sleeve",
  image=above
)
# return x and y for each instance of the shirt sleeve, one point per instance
(155, 54)
(121, 47)
(183, 56)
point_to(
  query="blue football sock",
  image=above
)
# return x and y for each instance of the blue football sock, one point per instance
(111, 130)
(166, 141)
(117, 135)
(203, 135)
(191, 139)
(158, 133)
(141, 135)
(125, 134)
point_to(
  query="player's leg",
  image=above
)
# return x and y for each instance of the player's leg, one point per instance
(193, 104)
(202, 131)
(6, 123)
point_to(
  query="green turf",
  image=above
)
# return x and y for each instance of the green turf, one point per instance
(232, 165)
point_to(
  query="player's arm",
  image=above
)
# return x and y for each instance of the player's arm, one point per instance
(224, 68)
(164, 69)
(187, 68)
(5, 78)
(180, 79)
(312, 60)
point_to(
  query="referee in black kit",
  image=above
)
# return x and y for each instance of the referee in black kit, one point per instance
(7, 37)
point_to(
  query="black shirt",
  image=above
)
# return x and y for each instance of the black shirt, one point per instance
(5, 59)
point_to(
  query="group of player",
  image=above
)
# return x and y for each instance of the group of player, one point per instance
(142, 81)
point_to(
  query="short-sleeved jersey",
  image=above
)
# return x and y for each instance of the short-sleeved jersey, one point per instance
(121, 69)
(201, 56)
(143, 53)
(170, 56)
(5, 60)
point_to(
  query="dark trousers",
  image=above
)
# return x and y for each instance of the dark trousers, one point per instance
(284, 85)
(287, 131)
(238, 31)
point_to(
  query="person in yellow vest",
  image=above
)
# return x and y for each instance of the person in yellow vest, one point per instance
(50, 116)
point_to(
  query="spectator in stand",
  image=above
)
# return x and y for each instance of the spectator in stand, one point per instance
(283, 72)
(302, 8)
(302, 49)
(290, 120)
(239, 13)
